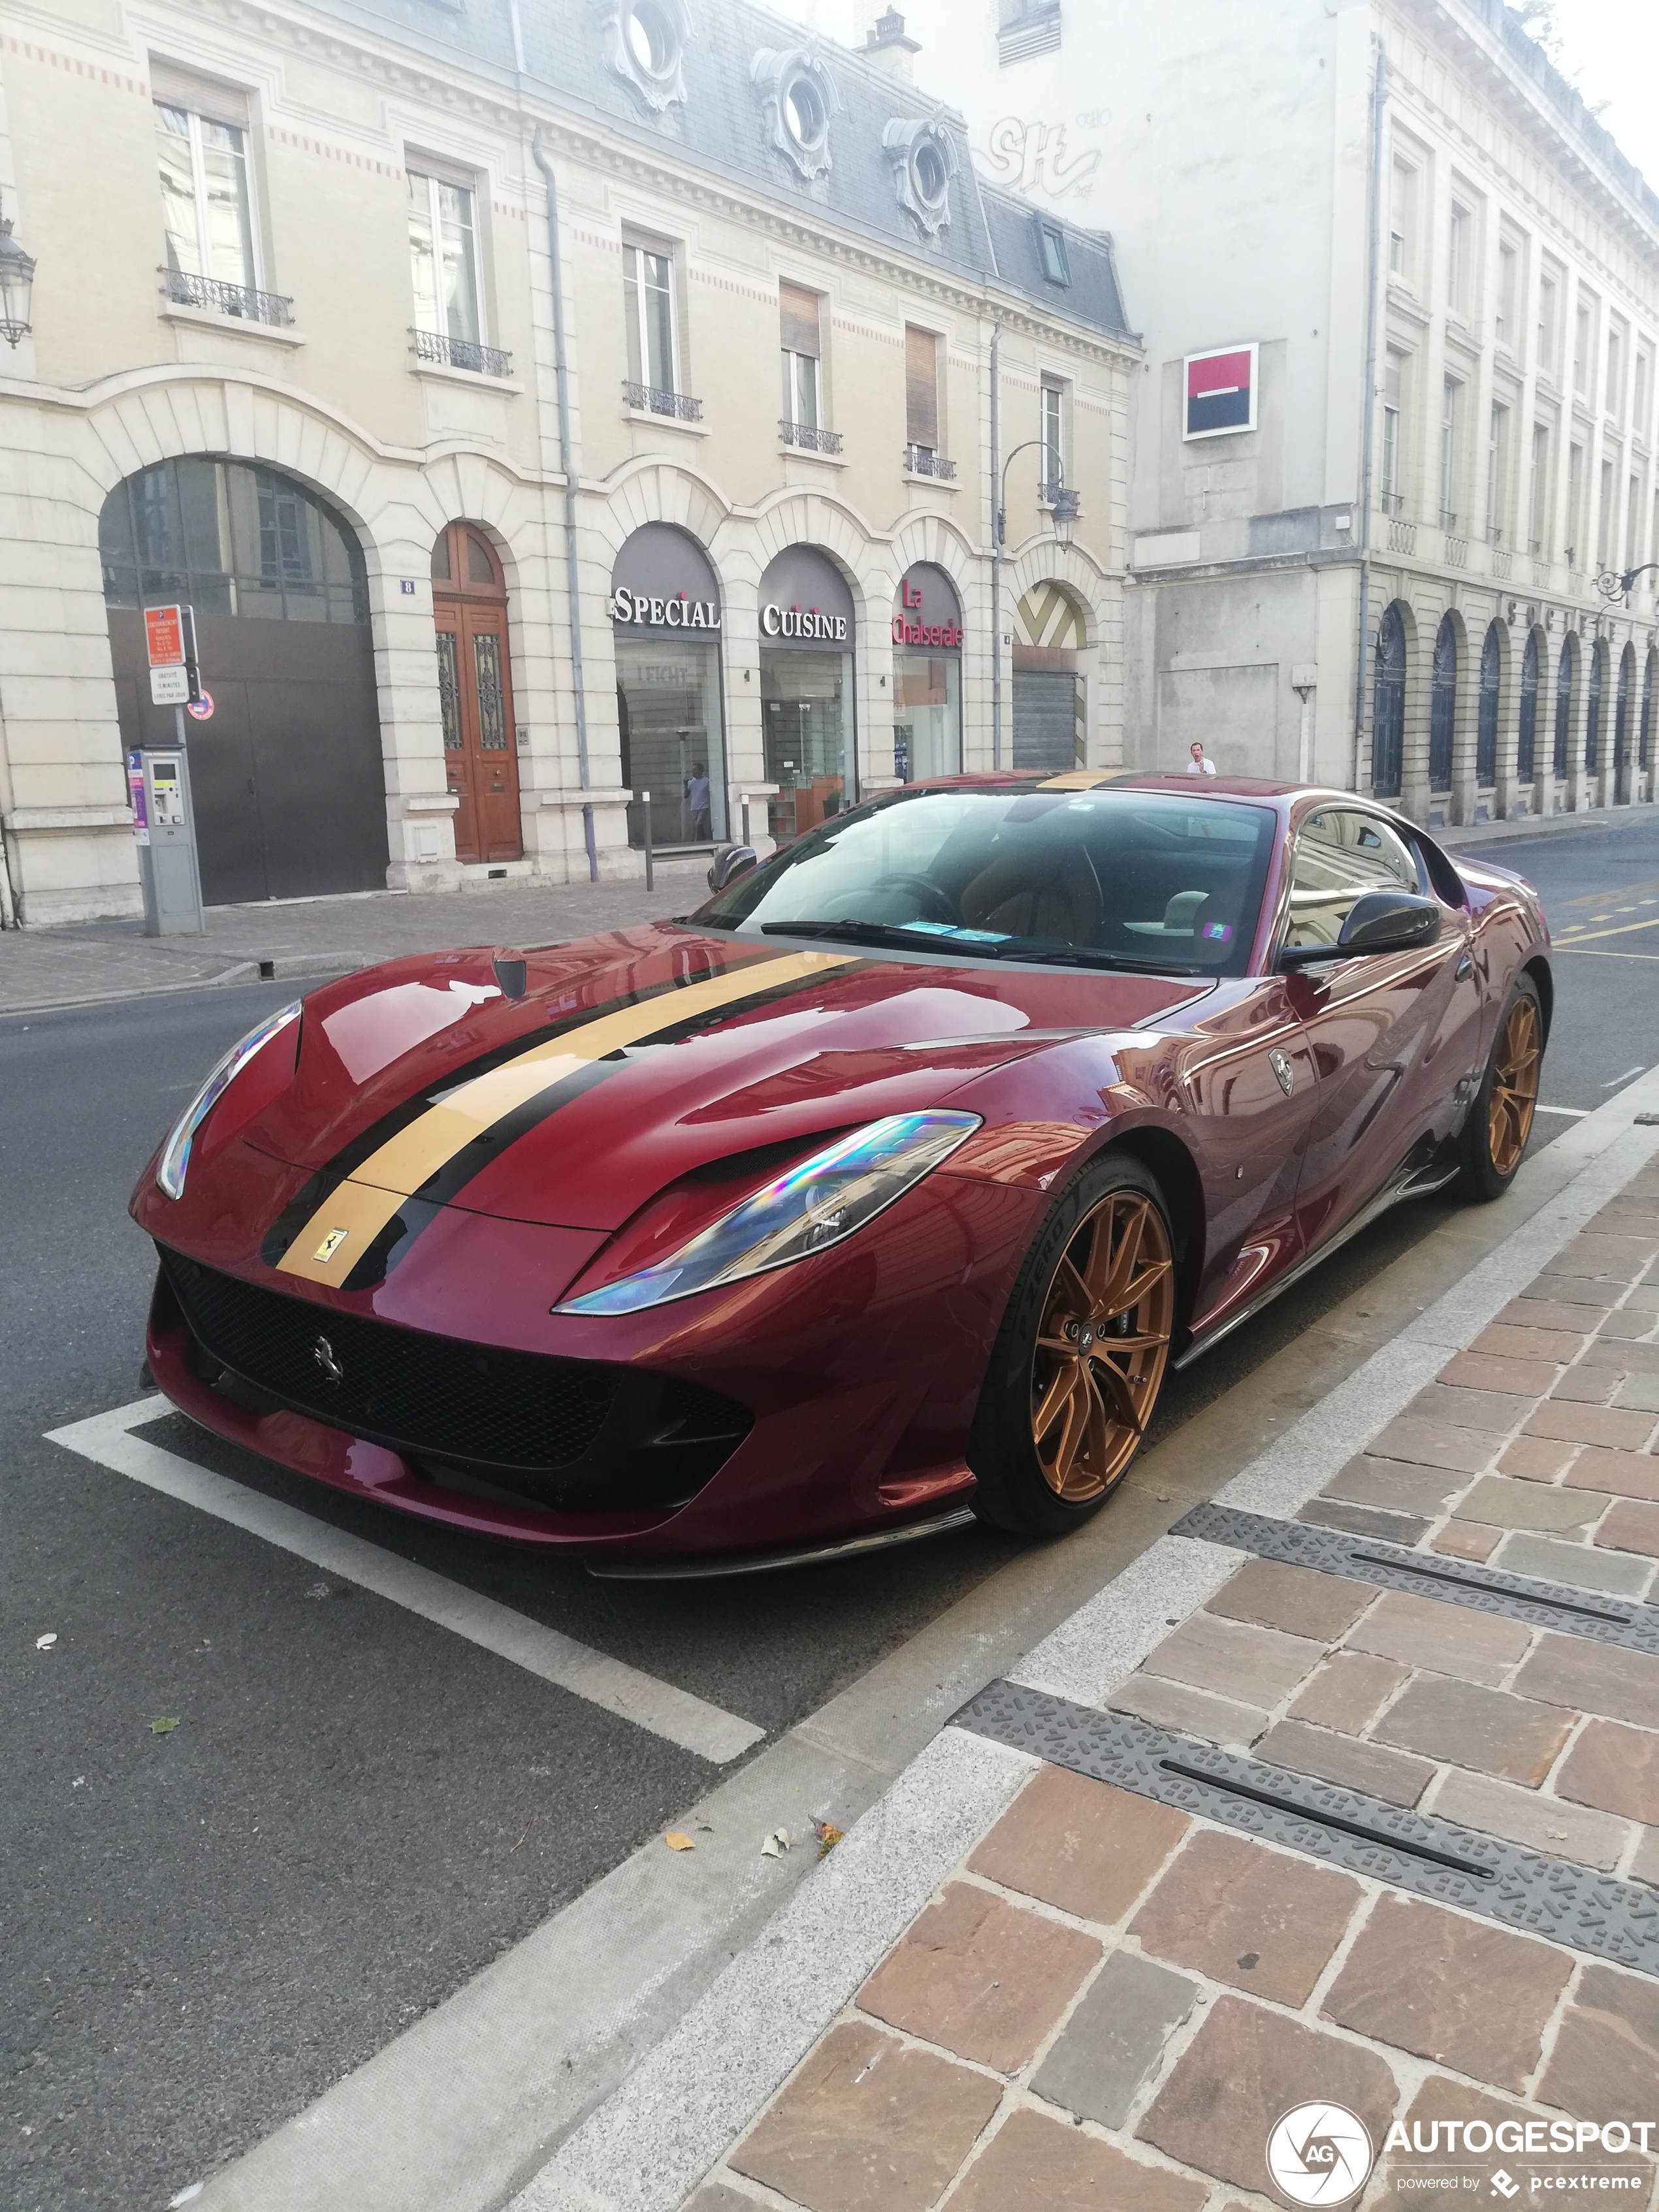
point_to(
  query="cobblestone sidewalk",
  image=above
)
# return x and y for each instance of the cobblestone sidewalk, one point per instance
(1110, 2000)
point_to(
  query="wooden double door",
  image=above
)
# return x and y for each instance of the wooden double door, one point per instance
(475, 687)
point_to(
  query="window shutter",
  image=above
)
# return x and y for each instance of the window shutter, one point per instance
(799, 312)
(920, 387)
(178, 88)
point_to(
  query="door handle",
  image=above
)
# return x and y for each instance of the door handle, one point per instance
(1463, 970)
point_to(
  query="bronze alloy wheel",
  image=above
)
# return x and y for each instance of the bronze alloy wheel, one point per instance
(1101, 1346)
(1514, 1092)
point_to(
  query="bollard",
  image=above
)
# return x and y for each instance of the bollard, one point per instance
(644, 797)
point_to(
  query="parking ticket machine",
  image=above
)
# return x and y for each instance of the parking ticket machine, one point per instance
(158, 780)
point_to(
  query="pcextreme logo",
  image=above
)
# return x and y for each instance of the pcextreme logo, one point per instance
(1319, 2153)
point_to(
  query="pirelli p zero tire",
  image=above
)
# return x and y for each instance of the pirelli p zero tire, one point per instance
(1079, 1359)
(1500, 1120)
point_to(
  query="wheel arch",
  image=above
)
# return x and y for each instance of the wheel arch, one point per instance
(1167, 1159)
(1539, 970)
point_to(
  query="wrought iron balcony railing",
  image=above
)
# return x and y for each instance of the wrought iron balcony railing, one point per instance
(461, 352)
(1448, 518)
(1391, 502)
(220, 298)
(656, 400)
(923, 461)
(809, 438)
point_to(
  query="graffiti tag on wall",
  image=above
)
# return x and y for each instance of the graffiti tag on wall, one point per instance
(1032, 157)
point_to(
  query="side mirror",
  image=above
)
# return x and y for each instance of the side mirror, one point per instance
(1378, 921)
(730, 862)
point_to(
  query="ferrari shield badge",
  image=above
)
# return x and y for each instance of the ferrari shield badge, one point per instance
(332, 1244)
(1278, 1061)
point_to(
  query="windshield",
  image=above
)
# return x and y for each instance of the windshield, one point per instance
(1112, 878)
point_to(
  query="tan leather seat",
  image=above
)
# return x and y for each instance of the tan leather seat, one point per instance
(1062, 901)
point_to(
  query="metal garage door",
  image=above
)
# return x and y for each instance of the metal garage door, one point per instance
(1045, 720)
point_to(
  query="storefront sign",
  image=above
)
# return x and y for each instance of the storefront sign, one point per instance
(803, 624)
(928, 614)
(680, 612)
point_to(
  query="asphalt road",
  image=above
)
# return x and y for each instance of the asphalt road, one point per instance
(357, 1809)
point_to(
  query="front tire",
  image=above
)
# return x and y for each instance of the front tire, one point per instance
(1079, 1359)
(1500, 1121)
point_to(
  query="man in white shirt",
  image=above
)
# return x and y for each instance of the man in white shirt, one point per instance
(1199, 762)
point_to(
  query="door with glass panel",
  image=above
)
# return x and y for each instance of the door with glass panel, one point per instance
(475, 688)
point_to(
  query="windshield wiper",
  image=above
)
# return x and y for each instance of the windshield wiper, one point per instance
(1083, 956)
(887, 933)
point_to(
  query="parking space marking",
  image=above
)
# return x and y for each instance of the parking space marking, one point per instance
(688, 1721)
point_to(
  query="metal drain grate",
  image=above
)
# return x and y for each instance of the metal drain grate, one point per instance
(1572, 1904)
(1560, 1606)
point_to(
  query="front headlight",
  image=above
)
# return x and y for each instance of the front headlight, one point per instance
(810, 1207)
(174, 1163)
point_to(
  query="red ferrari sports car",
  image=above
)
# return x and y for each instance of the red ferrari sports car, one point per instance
(889, 1184)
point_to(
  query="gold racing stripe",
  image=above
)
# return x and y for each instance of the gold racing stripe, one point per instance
(1079, 779)
(357, 1210)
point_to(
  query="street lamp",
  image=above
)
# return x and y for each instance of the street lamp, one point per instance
(16, 283)
(1616, 583)
(1063, 504)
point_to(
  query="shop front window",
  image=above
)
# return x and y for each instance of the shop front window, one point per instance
(806, 682)
(665, 622)
(927, 677)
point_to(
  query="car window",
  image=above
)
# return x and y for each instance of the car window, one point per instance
(1121, 877)
(1340, 854)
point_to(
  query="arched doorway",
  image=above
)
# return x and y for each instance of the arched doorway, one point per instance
(1527, 752)
(1486, 725)
(1050, 726)
(665, 626)
(1443, 705)
(1388, 707)
(1645, 733)
(475, 688)
(806, 648)
(927, 676)
(1593, 710)
(1621, 728)
(1565, 670)
(286, 773)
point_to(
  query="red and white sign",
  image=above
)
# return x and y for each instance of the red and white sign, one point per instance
(202, 707)
(1220, 391)
(164, 636)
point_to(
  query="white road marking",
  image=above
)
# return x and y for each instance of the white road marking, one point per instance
(1625, 1077)
(688, 1721)
(1572, 1113)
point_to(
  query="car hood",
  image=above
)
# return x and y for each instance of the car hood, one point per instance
(629, 1061)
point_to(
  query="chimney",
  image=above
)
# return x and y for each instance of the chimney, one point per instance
(887, 45)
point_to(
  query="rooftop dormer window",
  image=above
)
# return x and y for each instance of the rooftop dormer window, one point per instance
(800, 100)
(645, 43)
(1052, 240)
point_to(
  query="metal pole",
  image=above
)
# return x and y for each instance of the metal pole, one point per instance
(645, 798)
(1379, 95)
(996, 548)
(567, 468)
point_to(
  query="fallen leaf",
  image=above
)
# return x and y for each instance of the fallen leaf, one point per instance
(162, 1727)
(678, 1840)
(775, 1844)
(829, 1835)
(44, 1643)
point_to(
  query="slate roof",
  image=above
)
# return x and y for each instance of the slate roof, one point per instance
(992, 237)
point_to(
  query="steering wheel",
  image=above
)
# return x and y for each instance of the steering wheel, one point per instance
(937, 904)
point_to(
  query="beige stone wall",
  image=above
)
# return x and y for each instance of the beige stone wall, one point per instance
(114, 378)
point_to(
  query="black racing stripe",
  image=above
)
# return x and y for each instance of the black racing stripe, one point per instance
(489, 1145)
(393, 1242)
(702, 968)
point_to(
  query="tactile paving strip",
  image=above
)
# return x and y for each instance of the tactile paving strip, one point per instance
(1562, 1606)
(1573, 1904)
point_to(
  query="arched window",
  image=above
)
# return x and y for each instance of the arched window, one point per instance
(1592, 711)
(1621, 710)
(1486, 730)
(1528, 747)
(1443, 705)
(1645, 733)
(228, 539)
(1388, 707)
(1564, 675)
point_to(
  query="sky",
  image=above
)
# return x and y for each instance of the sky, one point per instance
(1610, 50)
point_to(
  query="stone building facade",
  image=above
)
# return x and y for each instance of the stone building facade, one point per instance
(1311, 200)
(294, 361)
